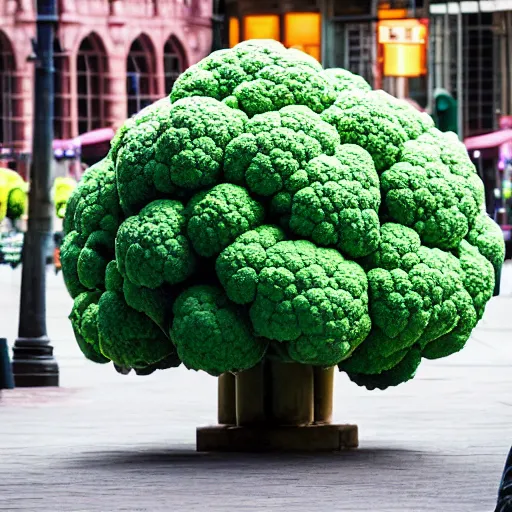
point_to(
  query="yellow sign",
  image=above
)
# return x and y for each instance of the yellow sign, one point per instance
(404, 47)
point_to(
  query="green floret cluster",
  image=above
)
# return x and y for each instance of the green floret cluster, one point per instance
(272, 209)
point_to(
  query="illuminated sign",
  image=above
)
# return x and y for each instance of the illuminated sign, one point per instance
(404, 47)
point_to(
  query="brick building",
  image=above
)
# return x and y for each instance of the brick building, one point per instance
(112, 57)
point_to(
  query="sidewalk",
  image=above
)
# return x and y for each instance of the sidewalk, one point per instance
(106, 442)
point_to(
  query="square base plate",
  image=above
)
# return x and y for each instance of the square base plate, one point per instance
(311, 438)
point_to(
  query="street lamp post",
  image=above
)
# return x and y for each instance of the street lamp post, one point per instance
(33, 361)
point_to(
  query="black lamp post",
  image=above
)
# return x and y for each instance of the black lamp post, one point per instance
(33, 362)
(218, 25)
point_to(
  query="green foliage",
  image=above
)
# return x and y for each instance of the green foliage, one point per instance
(130, 338)
(151, 247)
(219, 216)
(180, 148)
(258, 77)
(16, 203)
(94, 205)
(212, 334)
(275, 209)
(343, 80)
(84, 320)
(13, 194)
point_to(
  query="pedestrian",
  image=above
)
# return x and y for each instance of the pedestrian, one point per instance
(505, 490)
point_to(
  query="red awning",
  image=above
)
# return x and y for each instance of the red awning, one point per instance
(489, 140)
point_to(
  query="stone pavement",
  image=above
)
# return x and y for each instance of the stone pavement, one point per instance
(106, 442)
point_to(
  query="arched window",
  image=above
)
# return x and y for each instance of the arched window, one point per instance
(174, 62)
(62, 87)
(92, 83)
(141, 85)
(8, 105)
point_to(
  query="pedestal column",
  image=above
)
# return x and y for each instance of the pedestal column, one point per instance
(277, 406)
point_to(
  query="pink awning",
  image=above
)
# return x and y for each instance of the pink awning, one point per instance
(488, 140)
(96, 137)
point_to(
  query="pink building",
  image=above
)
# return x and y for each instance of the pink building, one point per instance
(112, 57)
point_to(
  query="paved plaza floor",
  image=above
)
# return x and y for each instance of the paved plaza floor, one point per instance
(106, 442)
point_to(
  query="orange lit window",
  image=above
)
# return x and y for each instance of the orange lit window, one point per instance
(303, 31)
(234, 32)
(261, 27)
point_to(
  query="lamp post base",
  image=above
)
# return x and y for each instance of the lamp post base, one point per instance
(33, 364)
(309, 438)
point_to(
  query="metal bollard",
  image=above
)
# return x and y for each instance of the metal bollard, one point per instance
(6, 376)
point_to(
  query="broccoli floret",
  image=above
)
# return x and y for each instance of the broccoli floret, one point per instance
(418, 299)
(308, 296)
(113, 279)
(421, 192)
(487, 236)
(212, 334)
(333, 201)
(276, 87)
(152, 116)
(367, 120)
(219, 216)
(240, 263)
(270, 156)
(340, 206)
(478, 276)
(454, 340)
(257, 79)
(378, 353)
(130, 338)
(414, 123)
(454, 155)
(405, 370)
(84, 320)
(92, 218)
(151, 247)
(70, 250)
(156, 304)
(171, 361)
(182, 151)
(96, 253)
(94, 204)
(343, 80)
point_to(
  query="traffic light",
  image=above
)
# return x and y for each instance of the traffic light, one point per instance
(445, 111)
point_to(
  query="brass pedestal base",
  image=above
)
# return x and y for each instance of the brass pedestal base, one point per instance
(311, 438)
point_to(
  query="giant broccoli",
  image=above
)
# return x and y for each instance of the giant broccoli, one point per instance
(270, 208)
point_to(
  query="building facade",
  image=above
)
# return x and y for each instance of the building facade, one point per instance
(382, 40)
(112, 58)
(471, 57)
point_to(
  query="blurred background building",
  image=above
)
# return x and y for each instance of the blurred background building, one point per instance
(112, 57)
